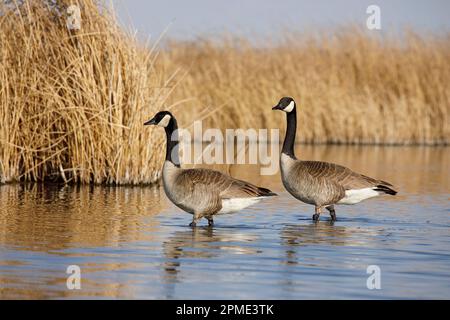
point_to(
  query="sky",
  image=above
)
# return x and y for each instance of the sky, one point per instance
(188, 19)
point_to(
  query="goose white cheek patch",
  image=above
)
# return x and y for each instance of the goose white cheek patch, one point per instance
(164, 121)
(289, 107)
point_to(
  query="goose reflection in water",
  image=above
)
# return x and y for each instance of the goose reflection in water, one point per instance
(326, 234)
(204, 243)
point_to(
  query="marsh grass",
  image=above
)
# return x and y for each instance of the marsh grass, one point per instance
(351, 85)
(72, 102)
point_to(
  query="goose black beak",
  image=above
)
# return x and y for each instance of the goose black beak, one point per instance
(277, 107)
(150, 122)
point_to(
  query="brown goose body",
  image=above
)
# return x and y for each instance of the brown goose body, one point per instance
(207, 192)
(202, 192)
(322, 183)
(319, 183)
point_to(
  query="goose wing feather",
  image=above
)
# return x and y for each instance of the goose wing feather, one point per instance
(203, 190)
(226, 187)
(339, 175)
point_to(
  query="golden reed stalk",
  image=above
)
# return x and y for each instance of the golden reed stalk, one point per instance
(351, 86)
(72, 103)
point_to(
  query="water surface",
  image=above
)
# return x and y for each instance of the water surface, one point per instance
(130, 242)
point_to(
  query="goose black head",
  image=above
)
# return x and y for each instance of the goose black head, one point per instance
(286, 104)
(162, 119)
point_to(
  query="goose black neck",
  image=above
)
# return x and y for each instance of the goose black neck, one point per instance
(172, 142)
(291, 129)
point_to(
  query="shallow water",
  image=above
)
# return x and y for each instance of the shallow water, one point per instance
(133, 243)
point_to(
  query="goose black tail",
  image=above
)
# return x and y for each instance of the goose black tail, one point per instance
(385, 189)
(263, 192)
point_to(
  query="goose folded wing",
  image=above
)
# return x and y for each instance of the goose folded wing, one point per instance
(340, 175)
(226, 187)
(244, 189)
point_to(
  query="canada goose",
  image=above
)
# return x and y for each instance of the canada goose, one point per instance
(322, 184)
(201, 192)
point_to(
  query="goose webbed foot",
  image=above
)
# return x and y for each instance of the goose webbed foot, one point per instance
(316, 215)
(332, 212)
(333, 216)
(195, 219)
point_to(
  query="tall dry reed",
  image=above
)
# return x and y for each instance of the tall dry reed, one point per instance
(72, 102)
(351, 86)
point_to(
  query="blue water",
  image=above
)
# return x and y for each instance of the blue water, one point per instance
(133, 243)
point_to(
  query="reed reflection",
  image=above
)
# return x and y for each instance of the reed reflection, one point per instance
(51, 217)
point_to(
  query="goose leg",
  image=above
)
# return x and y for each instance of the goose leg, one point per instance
(332, 212)
(195, 219)
(210, 221)
(316, 215)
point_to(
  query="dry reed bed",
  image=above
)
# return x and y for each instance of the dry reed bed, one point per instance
(72, 103)
(351, 86)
